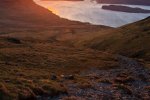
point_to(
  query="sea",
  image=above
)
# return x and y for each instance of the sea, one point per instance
(92, 12)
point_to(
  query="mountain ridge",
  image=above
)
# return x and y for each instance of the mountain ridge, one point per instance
(25, 13)
(130, 40)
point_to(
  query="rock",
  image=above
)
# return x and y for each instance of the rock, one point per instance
(13, 40)
(69, 77)
(106, 81)
(145, 96)
(27, 95)
(62, 76)
(7, 81)
(147, 88)
(123, 78)
(143, 77)
(125, 88)
(105, 97)
(4, 93)
(39, 91)
(53, 77)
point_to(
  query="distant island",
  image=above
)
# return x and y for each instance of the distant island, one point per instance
(124, 9)
(129, 2)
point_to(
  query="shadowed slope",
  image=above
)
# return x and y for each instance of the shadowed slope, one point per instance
(25, 13)
(131, 40)
(41, 65)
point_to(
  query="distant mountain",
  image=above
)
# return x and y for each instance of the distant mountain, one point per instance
(129, 40)
(25, 13)
(131, 2)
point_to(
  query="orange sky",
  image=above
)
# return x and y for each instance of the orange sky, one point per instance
(53, 10)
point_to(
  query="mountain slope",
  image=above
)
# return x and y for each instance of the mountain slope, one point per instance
(129, 40)
(25, 14)
(30, 54)
(41, 65)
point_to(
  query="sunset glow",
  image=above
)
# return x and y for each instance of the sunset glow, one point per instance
(53, 10)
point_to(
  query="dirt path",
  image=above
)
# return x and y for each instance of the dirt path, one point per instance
(129, 81)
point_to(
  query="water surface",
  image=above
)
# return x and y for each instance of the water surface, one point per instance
(87, 11)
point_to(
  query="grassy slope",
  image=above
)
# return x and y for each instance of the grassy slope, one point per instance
(29, 57)
(129, 40)
(29, 54)
(21, 15)
(27, 62)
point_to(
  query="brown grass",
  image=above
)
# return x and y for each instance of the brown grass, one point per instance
(130, 40)
(26, 67)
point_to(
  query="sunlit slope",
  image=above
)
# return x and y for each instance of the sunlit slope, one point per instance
(131, 40)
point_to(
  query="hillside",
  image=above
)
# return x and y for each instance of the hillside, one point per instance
(38, 59)
(129, 40)
(35, 61)
(25, 14)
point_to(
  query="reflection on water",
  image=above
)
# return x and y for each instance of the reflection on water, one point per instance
(87, 11)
